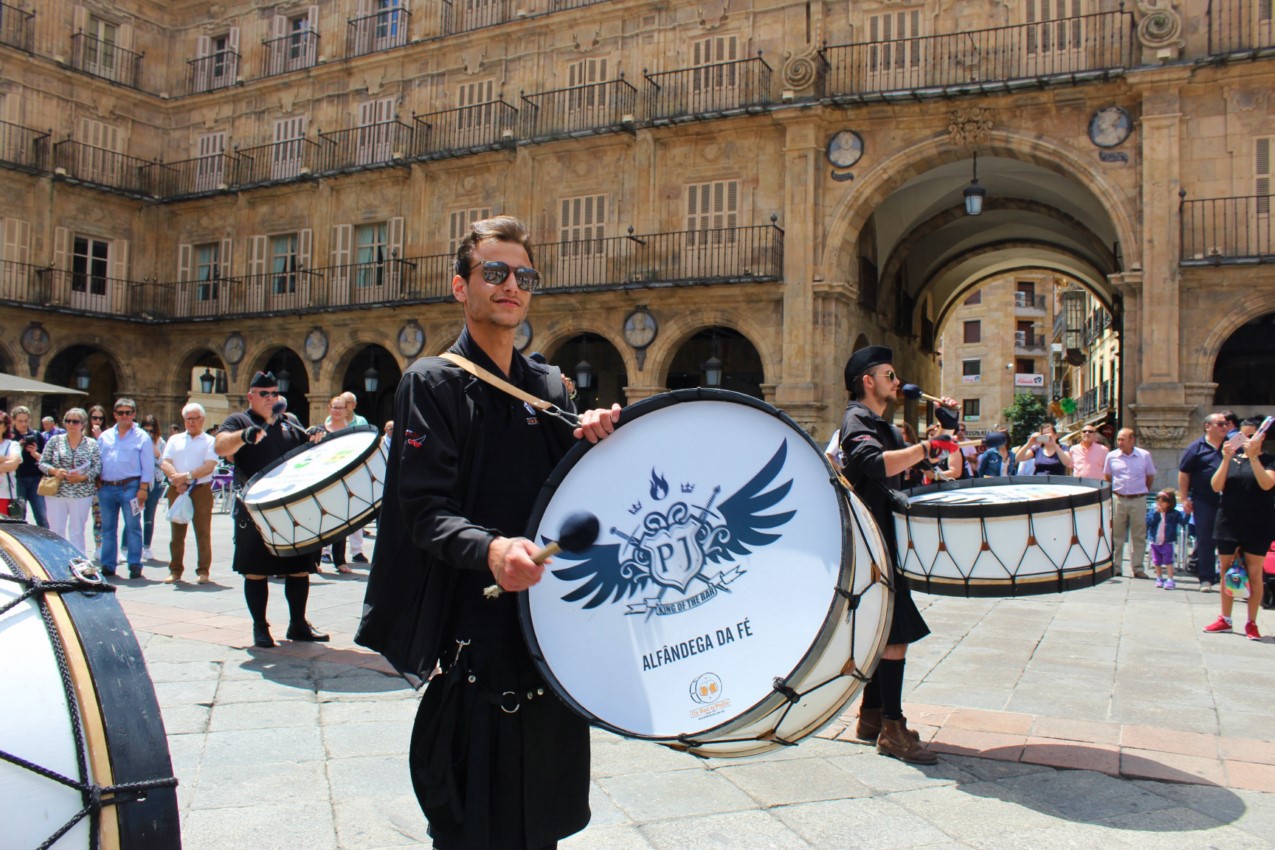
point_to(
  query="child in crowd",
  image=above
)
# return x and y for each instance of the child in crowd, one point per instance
(1163, 524)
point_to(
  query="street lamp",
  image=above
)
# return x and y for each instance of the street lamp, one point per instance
(584, 375)
(207, 381)
(974, 193)
(371, 378)
(82, 377)
(284, 379)
(713, 371)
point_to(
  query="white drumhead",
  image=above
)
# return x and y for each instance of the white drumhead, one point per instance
(318, 464)
(1001, 494)
(717, 564)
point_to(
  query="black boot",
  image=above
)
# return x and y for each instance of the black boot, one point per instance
(304, 631)
(261, 635)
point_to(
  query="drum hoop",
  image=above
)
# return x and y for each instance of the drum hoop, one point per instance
(316, 486)
(1100, 491)
(838, 603)
(139, 756)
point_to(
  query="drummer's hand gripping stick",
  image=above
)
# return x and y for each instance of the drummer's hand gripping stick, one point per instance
(578, 533)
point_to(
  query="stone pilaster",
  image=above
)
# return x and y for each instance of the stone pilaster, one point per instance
(633, 394)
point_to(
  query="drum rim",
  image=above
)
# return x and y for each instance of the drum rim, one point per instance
(301, 449)
(836, 606)
(1099, 491)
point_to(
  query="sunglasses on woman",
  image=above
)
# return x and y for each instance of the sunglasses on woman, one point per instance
(495, 272)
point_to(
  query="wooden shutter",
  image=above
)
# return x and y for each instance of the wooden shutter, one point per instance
(184, 253)
(17, 240)
(226, 255)
(258, 246)
(61, 248)
(1262, 174)
(203, 46)
(342, 235)
(394, 237)
(119, 259)
(583, 220)
(305, 239)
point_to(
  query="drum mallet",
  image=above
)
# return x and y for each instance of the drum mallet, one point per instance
(945, 416)
(994, 440)
(579, 531)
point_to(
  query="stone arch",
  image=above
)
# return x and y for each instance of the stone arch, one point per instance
(556, 337)
(678, 330)
(336, 364)
(60, 366)
(8, 360)
(377, 407)
(880, 181)
(1198, 368)
(188, 358)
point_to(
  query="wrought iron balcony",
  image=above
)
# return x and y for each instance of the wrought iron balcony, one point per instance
(467, 129)
(277, 162)
(1227, 230)
(383, 30)
(186, 178)
(23, 148)
(579, 111)
(83, 293)
(100, 167)
(1072, 49)
(17, 28)
(1025, 303)
(1240, 26)
(212, 72)
(366, 147)
(1028, 343)
(290, 52)
(468, 15)
(17, 281)
(681, 258)
(708, 91)
(106, 60)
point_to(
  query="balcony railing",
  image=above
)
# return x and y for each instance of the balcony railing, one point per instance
(579, 111)
(84, 293)
(365, 147)
(727, 255)
(276, 162)
(1237, 26)
(465, 15)
(1024, 341)
(1087, 46)
(290, 52)
(1227, 230)
(106, 60)
(212, 72)
(467, 129)
(383, 30)
(24, 148)
(17, 281)
(1023, 301)
(708, 91)
(17, 28)
(100, 167)
(189, 177)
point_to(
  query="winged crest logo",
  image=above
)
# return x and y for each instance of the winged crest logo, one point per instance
(674, 550)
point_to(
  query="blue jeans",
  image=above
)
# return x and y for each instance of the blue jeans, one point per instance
(1205, 550)
(148, 515)
(115, 498)
(27, 490)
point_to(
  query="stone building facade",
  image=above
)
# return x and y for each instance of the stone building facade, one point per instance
(193, 189)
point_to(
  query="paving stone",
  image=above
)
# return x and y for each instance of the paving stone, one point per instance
(621, 758)
(264, 714)
(380, 822)
(741, 831)
(881, 774)
(607, 838)
(274, 825)
(262, 746)
(231, 785)
(1180, 827)
(871, 823)
(793, 781)
(265, 690)
(184, 719)
(603, 810)
(1084, 795)
(347, 740)
(333, 712)
(369, 777)
(674, 794)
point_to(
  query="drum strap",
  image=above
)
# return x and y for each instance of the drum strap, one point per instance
(504, 386)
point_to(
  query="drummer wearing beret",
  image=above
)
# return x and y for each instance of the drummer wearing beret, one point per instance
(497, 761)
(875, 458)
(255, 438)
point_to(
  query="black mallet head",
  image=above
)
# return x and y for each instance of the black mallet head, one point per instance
(579, 532)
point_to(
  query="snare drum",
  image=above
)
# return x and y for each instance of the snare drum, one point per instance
(1013, 536)
(77, 703)
(736, 598)
(319, 492)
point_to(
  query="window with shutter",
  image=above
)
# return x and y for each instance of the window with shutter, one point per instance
(371, 255)
(582, 227)
(90, 271)
(1262, 174)
(459, 222)
(896, 48)
(390, 25)
(714, 61)
(712, 213)
(476, 111)
(973, 331)
(100, 46)
(1054, 26)
(210, 162)
(583, 78)
(375, 137)
(288, 152)
(208, 273)
(283, 264)
(97, 162)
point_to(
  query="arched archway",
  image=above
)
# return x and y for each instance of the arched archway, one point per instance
(373, 375)
(1245, 368)
(592, 355)
(201, 377)
(70, 366)
(294, 382)
(717, 356)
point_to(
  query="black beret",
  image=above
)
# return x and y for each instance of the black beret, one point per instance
(263, 379)
(537, 357)
(864, 359)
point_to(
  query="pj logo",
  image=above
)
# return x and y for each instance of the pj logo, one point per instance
(685, 546)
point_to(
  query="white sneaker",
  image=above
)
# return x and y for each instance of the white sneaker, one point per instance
(147, 554)
(97, 553)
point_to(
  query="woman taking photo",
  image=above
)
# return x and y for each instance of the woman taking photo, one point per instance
(76, 462)
(28, 474)
(1043, 448)
(151, 426)
(10, 460)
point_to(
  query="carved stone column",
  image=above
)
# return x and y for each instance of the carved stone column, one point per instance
(632, 394)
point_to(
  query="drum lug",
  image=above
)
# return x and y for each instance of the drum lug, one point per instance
(787, 692)
(850, 597)
(517, 705)
(86, 570)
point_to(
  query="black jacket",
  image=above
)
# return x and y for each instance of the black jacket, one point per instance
(424, 534)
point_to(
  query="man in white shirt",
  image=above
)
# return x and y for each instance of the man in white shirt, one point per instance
(189, 462)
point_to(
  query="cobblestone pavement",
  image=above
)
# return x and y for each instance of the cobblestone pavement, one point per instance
(1101, 717)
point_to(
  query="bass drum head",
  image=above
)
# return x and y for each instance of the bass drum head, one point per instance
(76, 701)
(309, 467)
(715, 572)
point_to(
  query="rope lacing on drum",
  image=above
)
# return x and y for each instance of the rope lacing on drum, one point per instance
(87, 580)
(94, 796)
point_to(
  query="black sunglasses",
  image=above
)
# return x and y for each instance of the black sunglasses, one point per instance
(124, 412)
(495, 272)
(268, 394)
(72, 421)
